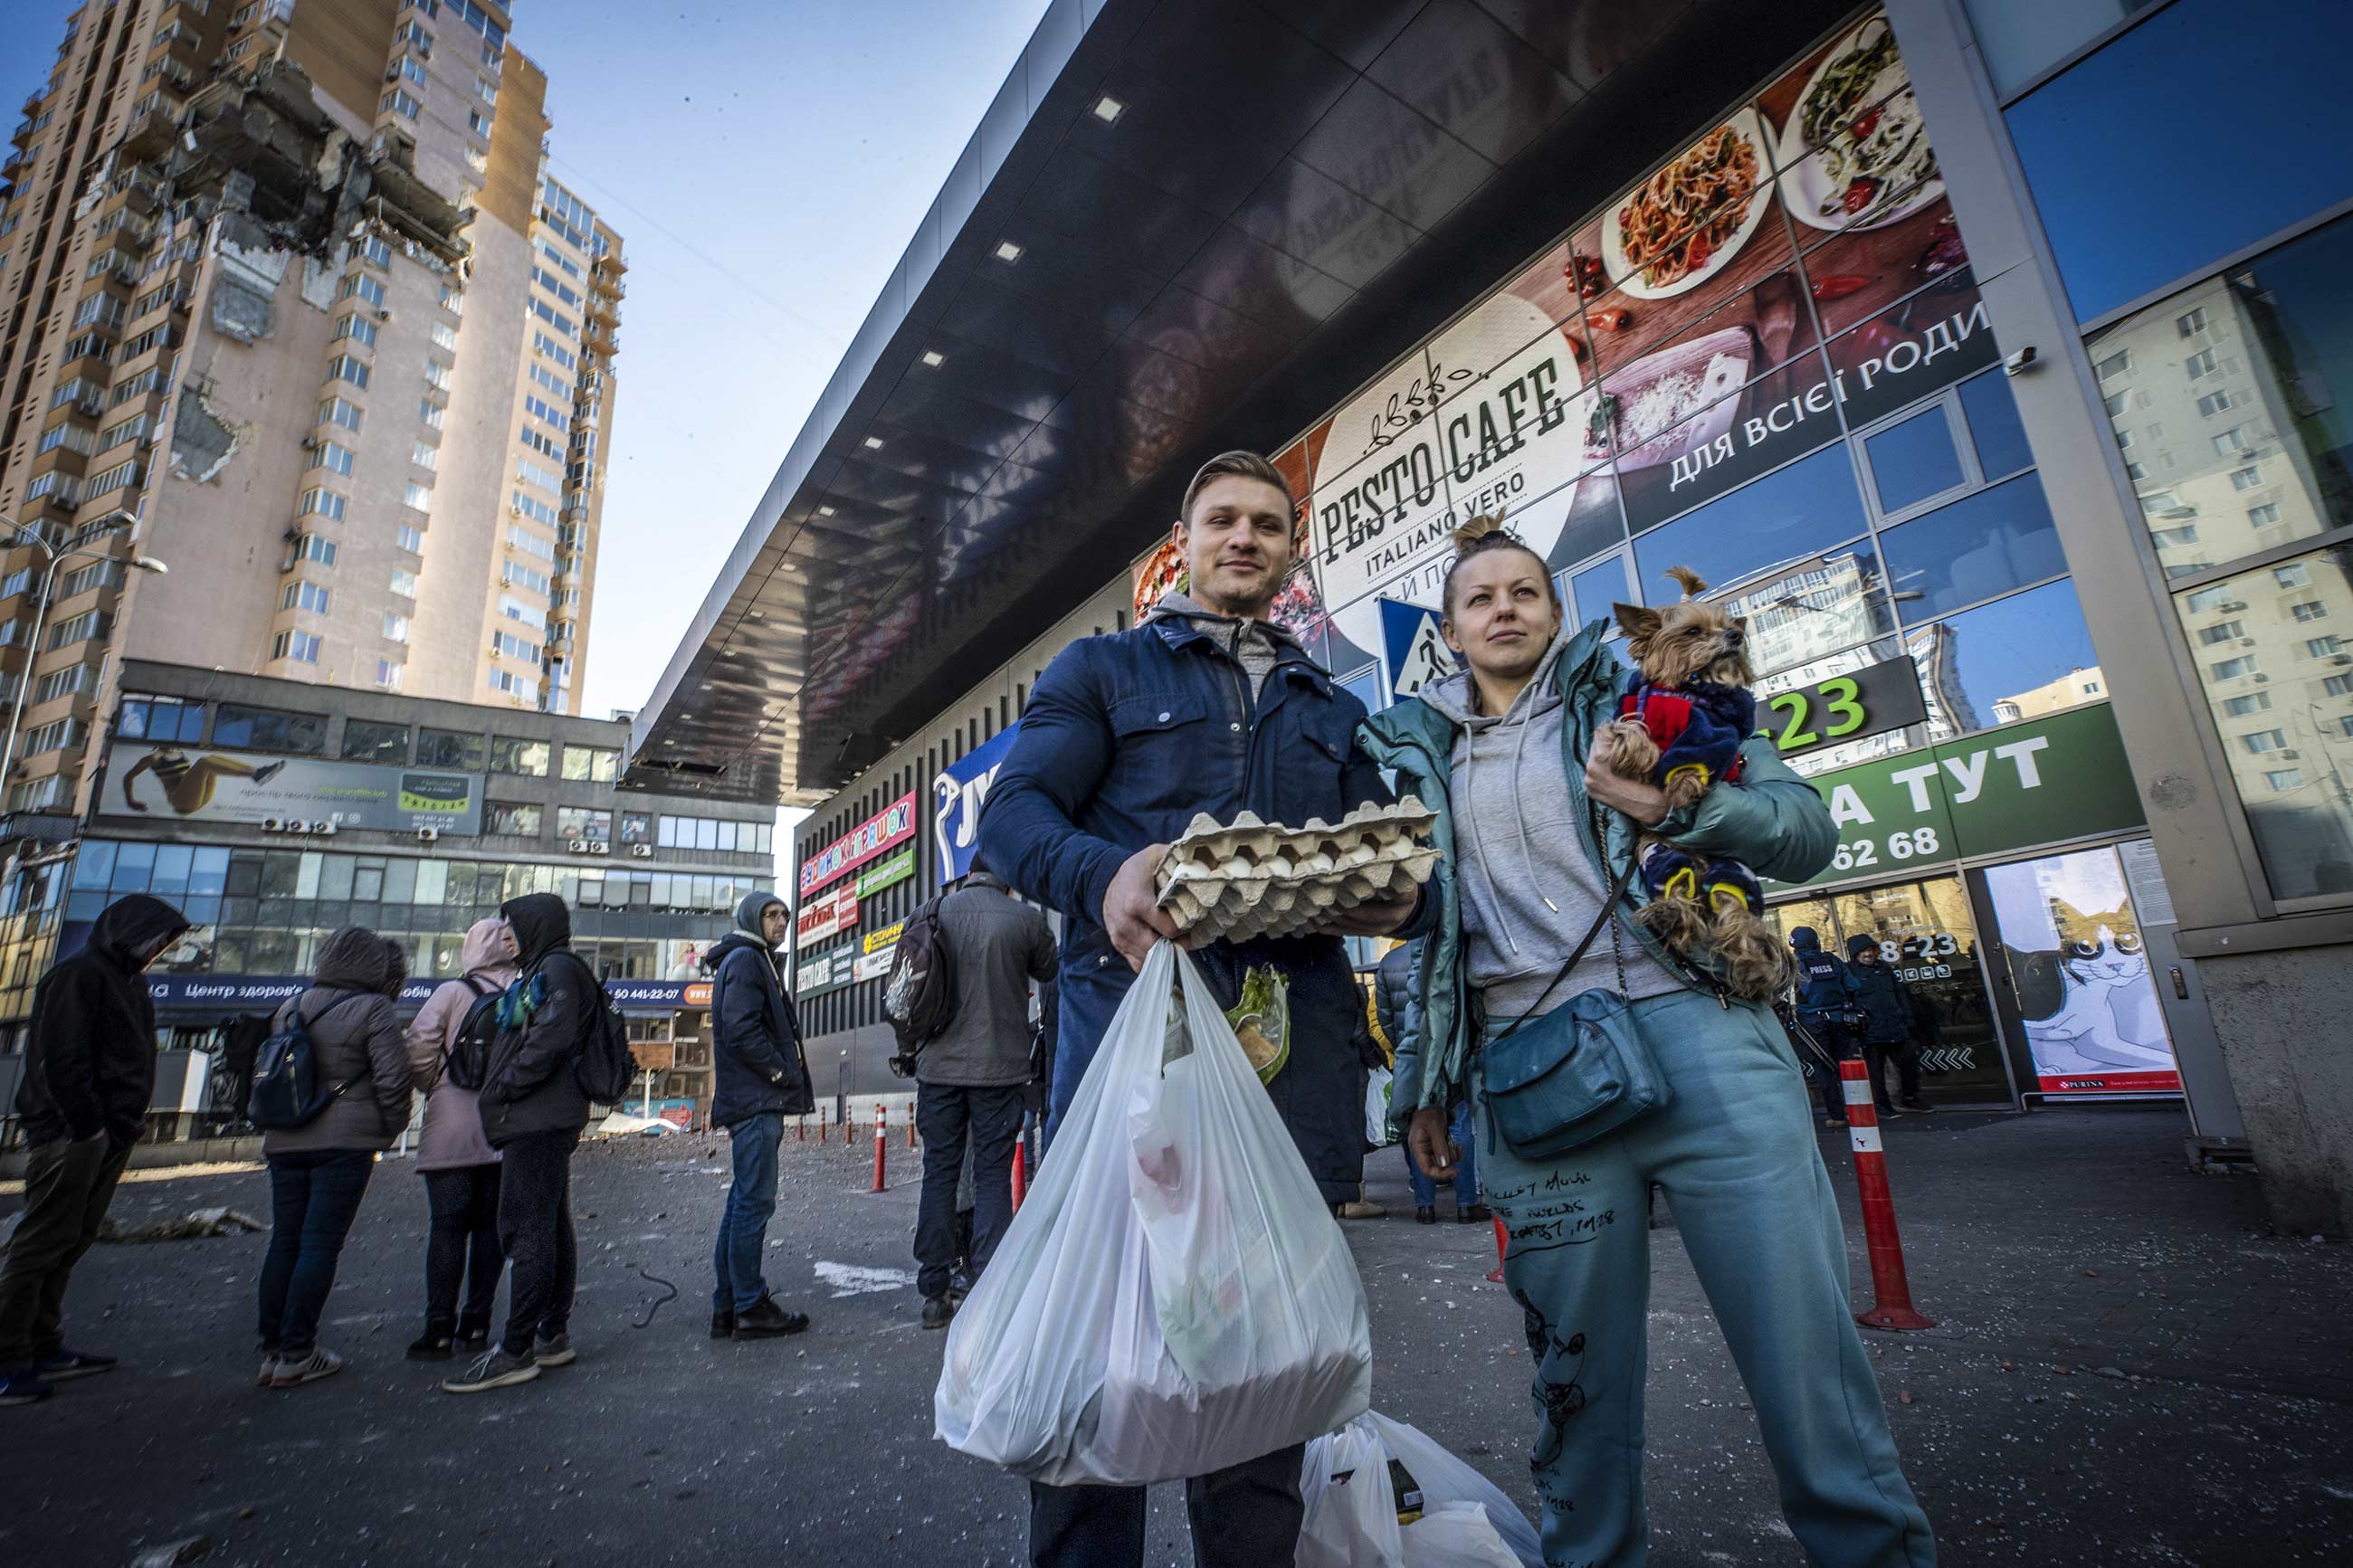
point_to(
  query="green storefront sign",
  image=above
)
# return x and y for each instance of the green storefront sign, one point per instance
(2059, 777)
(897, 869)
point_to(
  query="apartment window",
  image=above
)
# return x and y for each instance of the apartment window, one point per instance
(2239, 706)
(514, 609)
(436, 376)
(2337, 685)
(338, 411)
(398, 102)
(136, 428)
(423, 455)
(2285, 778)
(2294, 575)
(555, 349)
(2191, 322)
(365, 740)
(531, 506)
(2264, 741)
(333, 456)
(416, 496)
(268, 729)
(311, 547)
(512, 646)
(554, 318)
(509, 683)
(549, 379)
(446, 336)
(361, 286)
(533, 474)
(139, 385)
(2308, 610)
(2214, 402)
(2322, 647)
(409, 539)
(395, 627)
(302, 647)
(388, 674)
(514, 573)
(2248, 477)
(455, 749)
(526, 759)
(72, 437)
(539, 441)
(2199, 364)
(599, 763)
(547, 412)
(17, 583)
(89, 625)
(2174, 537)
(114, 479)
(518, 818)
(75, 680)
(2229, 631)
(430, 411)
(320, 501)
(580, 822)
(2232, 668)
(2262, 516)
(478, 122)
(343, 367)
(375, 250)
(415, 34)
(357, 328)
(82, 579)
(413, 70)
(404, 582)
(2234, 440)
(55, 737)
(305, 596)
(160, 718)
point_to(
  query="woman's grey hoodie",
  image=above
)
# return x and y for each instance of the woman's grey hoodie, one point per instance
(453, 1116)
(1529, 893)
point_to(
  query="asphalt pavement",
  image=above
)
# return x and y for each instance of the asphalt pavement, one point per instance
(2128, 1369)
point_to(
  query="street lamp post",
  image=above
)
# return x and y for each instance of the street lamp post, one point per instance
(32, 537)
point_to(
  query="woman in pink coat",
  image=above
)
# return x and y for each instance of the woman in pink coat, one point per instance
(460, 1167)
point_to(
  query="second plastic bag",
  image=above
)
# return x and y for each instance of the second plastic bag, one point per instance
(1352, 1509)
(1174, 1296)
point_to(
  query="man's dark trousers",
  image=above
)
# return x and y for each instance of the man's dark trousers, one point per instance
(69, 1183)
(945, 1115)
(1244, 1516)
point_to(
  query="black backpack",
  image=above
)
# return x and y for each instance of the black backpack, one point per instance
(919, 995)
(286, 1091)
(604, 1067)
(465, 1063)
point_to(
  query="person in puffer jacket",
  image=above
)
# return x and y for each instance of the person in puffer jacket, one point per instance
(460, 1167)
(320, 1170)
(1886, 1033)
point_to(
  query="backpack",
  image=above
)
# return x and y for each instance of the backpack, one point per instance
(465, 1061)
(918, 997)
(604, 1067)
(286, 1091)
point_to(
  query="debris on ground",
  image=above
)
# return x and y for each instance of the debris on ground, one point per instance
(195, 1225)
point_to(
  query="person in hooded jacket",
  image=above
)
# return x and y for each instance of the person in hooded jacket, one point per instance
(533, 1109)
(460, 1167)
(760, 1077)
(1886, 1002)
(320, 1170)
(90, 1071)
(1399, 1011)
(1825, 1009)
(1536, 845)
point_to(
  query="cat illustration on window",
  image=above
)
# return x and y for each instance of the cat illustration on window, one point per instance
(2107, 1016)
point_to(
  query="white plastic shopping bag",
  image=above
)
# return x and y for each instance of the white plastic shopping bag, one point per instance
(1174, 1296)
(1352, 1509)
(1377, 1106)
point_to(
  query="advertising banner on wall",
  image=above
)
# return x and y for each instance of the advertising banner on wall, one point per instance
(203, 784)
(958, 791)
(884, 831)
(264, 993)
(886, 873)
(2071, 941)
(874, 965)
(2056, 777)
(876, 940)
(825, 917)
(1797, 256)
(819, 974)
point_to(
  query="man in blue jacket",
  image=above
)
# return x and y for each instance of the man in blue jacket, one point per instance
(761, 1078)
(1207, 706)
(1825, 1002)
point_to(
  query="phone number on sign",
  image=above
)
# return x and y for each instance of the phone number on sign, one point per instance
(1905, 844)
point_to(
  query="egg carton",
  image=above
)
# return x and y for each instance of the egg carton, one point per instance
(1232, 882)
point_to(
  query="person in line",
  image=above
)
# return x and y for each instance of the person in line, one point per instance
(1886, 1002)
(1207, 706)
(1400, 1017)
(971, 1077)
(1537, 841)
(320, 1170)
(1825, 1005)
(90, 1071)
(460, 1167)
(761, 1078)
(533, 1110)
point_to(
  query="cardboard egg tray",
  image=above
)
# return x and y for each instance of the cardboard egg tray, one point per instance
(1232, 882)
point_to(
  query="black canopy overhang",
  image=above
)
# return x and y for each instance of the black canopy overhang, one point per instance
(1228, 216)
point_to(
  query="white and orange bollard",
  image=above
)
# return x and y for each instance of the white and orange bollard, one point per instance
(911, 1124)
(1892, 1291)
(882, 1129)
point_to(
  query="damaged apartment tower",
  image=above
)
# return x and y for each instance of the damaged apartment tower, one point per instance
(323, 335)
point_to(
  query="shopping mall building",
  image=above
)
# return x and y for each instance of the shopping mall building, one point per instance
(1982, 352)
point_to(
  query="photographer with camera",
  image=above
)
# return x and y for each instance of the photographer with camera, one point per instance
(972, 1075)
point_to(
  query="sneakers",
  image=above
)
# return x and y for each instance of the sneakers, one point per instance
(263, 774)
(764, 1320)
(937, 1313)
(1425, 1214)
(722, 1323)
(432, 1345)
(1477, 1214)
(23, 1386)
(554, 1349)
(268, 1370)
(292, 1372)
(1357, 1209)
(493, 1369)
(66, 1364)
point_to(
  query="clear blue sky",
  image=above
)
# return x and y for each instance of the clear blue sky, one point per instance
(765, 165)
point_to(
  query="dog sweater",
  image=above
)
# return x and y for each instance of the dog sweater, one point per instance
(1698, 727)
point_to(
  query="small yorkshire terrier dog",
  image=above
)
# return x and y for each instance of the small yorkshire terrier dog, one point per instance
(1687, 708)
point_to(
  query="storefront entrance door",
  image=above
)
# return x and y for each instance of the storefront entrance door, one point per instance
(1922, 928)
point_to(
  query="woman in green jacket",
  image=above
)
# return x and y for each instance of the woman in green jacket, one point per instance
(1532, 842)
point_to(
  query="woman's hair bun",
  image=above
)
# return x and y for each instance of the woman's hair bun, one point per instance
(1468, 536)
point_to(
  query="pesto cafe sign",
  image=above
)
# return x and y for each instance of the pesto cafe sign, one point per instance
(2062, 777)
